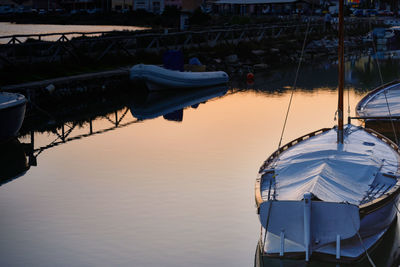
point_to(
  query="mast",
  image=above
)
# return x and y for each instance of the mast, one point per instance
(341, 73)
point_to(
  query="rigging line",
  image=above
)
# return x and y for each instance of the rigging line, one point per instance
(366, 251)
(267, 223)
(362, 243)
(295, 79)
(381, 78)
(348, 102)
(395, 205)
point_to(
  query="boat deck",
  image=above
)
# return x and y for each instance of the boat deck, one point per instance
(361, 170)
(379, 102)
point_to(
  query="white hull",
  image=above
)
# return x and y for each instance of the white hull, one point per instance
(317, 199)
(158, 78)
(371, 230)
(375, 104)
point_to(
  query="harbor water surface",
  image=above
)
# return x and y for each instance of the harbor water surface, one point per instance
(165, 191)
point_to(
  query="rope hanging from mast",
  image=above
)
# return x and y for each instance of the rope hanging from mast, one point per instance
(296, 78)
(341, 73)
(381, 80)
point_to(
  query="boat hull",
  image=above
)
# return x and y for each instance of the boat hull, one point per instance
(384, 253)
(13, 160)
(372, 229)
(299, 230)
(157, 78)
(11, 119)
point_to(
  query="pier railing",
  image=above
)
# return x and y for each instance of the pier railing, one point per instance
(95, 46)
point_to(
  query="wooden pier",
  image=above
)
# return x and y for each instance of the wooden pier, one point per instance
(96, 46)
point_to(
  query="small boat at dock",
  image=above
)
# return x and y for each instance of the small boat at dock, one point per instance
(382, 103)
(333, 201)
(380, 109)
(158, 78)
(12, 113)
(329, 195)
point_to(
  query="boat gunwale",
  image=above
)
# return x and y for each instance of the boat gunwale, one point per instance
(381, 201)
(364, 209)
(196, 79)
(17, 102)
(277, 152)
(370, 95)
(17, 105)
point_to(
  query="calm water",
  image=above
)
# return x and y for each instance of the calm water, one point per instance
(7, 28)
(175, 190)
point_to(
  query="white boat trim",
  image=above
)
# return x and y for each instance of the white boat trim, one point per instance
(158, 78)
(362, 106)
(8, 100)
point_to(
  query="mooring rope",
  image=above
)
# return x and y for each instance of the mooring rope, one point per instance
(381, 78)
(362, 243)
(348, 102)
(395, 205)
(296, 78)
(366, 251)
(267, 223)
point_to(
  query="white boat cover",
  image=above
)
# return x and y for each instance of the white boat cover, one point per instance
(8, 100)
(376, 105)
(177, 79)
(332, 172)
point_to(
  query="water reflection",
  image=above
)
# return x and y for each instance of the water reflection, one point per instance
(361, 74)
(41, 118)
(385, 254)
(13, 160)
(170, 104)
(390, 129)
(78, 121)
(366, 72)
(88, 201)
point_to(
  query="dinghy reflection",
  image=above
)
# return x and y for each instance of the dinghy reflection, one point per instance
(170, 104)
(13, 160)
(385, 253)
(69, 122)
(83, 120)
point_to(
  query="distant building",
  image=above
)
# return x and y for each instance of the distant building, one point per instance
(122, 5)
(175, 3)
(77, 5)
(9, 3)
(9, 6)
(258, 7)
(191, 5)
(153, 6)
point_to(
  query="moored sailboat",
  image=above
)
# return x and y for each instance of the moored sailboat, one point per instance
(331, 194)
(380, 109)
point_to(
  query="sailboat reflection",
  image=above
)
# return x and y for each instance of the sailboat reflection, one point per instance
(170, 104)
(13, 160)
(385, 254)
